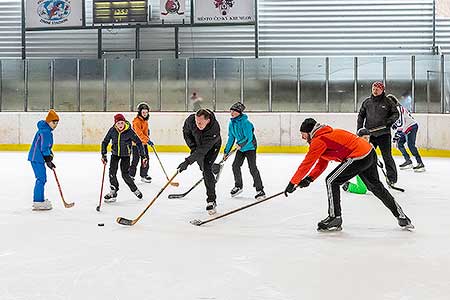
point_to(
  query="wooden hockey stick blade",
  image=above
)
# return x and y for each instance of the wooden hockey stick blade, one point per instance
(175, 184)
(196, 222)
(68, 205)
(125, 221)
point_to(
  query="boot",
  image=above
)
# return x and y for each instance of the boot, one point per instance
(330, 224)
(146, 179)
(111, 196)
(260, 195)
(406, 165)
(419, 168)
(44, 205)
(138, 194)
(211, 207)
(235, 191)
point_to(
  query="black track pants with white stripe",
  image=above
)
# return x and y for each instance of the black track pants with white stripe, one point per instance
(366, 168)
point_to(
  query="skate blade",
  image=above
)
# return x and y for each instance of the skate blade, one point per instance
(406, 168)
(332, 229)
(419, 170)
(238, 193)
(212, 211)
(261, 198)
(409, 227)
(110, 200)
(196, 222)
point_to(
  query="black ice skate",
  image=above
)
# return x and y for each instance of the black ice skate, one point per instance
(405, 223)
(138, 194)
(235, 191)
(406, 165)
(146, 179)
(419, 168)
(260, 195)
(330, 224)
(111, 196)
(211, 207)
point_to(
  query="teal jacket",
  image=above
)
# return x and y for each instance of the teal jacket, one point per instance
(241, 131)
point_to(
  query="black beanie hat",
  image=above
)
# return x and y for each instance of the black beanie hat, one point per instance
(238, 106)
(308, 125)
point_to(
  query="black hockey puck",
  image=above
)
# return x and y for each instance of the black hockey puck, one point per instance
(101, 224)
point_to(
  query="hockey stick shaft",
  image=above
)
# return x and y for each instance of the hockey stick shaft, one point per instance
(375, 129)
(124, 221)
(101, 190)
(240, 208)
(162, 167)
(380, 164)
(66, 205)
(178, 196)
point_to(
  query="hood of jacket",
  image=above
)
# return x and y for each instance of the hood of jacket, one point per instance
(320, 129)
(240, 118)
(42, 125)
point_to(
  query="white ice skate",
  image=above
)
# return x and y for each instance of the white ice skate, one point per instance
(46, 205)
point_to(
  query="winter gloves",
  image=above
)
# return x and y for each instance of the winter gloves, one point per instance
(150, 143)
(183, 166)
(48, 161)
(398, 135)
(291, 187)
(104, 159)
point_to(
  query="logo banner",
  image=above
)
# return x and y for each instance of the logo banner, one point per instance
(224, 11)
(172, 9)
(53, 13)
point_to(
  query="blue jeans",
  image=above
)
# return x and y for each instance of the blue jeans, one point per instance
(41, 179)
(410, 138)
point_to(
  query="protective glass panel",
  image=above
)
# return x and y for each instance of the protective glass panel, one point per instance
(118, 72)
(146, 83)
(312, 84)
(91, 84)
(173, 85)
(256, 84)
(66, 87)
(447, 85)
(370, 69)
(427, 95)
(39, 85)
(341, 91)
(399, 79)
(201, 94)
(284, 84)
(228, 88)
(13, 85)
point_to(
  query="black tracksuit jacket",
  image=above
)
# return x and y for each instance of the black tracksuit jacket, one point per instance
(377, 111)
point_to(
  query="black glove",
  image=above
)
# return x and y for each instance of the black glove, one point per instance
(305, 182)
(48, 162)
(289, 189)
(104, 159)
(183, 166)
(397, 137)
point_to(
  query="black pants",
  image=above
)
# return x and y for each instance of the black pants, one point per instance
(251, 160)
(134, 162)
(124, 166)
(366, 168)
(208, 176)
(384, 142)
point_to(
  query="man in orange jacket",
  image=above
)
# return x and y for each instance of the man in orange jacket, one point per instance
(356, 157)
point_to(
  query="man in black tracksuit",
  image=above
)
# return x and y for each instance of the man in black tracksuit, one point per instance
(201, 131)
(121, 136)
(377, 114)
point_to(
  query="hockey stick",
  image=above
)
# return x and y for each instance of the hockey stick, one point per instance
(128, 222)
(66, 205)
(178, 196)
(380, 164)
(200, 223)
(375, 129)
(162, 167)
(101, 190)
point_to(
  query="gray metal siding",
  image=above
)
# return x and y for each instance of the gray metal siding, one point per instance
(286, 28)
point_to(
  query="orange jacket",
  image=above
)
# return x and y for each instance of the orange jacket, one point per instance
(140, 126)
(330, 144)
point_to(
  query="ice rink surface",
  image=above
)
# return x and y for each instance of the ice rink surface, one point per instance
(269, 251)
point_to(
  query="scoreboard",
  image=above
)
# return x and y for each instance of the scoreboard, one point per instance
(120, 11)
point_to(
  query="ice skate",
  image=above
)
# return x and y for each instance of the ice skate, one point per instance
(111, 196)
(406, 165)
(419, 168)
(138, 194)
(45, 205)
(235, 191)
(260, 195)
(330, 224)
(211, 207)
(146, 179)
(405, 223)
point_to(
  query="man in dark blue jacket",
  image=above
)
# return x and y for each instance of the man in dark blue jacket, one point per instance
(241, 131)
(40, 153)
(121, 136)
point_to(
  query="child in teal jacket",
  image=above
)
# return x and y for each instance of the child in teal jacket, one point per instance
(241, 132)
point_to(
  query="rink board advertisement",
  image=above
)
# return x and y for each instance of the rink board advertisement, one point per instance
(172, 9)
(224, 11)
(54, 13)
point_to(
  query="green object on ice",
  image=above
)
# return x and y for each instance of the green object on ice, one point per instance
(357, 188)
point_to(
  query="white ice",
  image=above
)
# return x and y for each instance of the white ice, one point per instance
(270, 251)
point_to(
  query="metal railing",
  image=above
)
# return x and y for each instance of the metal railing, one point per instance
(304, 84)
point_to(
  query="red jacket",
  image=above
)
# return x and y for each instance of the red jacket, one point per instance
(330, 144)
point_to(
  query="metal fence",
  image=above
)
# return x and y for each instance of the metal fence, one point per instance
(304, 84)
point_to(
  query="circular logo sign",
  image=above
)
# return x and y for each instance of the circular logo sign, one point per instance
(54, 11)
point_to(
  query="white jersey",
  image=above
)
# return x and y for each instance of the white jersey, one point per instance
(405, 121)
